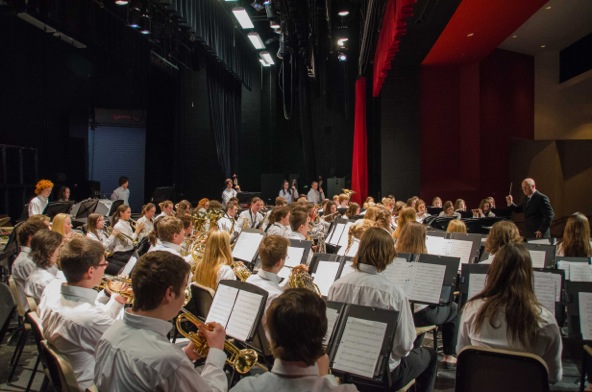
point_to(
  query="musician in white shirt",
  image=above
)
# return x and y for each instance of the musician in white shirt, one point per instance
(315, 195)
(44, 252)
(273, 251)
(228, 192)
(297, 324)
(290, 193)
(299, 224)
(166, 209)
(228, 222)
(125, 240)
(38, 203)
(281, 222)
(216, 261)
(251, 218)
(95, 230)
(171, 235)
(135, 355)
(147, 216)
(122, 192)
(75, 321)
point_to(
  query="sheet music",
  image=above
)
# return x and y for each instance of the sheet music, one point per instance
(580, 272)
(545, 289)
(352, 250)
(585, 308)
(244, 315)
(435, 245)
(337, 231)
(538, 258)
(542, 241)
(222, 304)
(400, 273)
(332, 316)
(127, 270)
(344, 237)
(476, 284)
(294, 256)
(246, 246)
(360, 346)
(565, 266)
(455, 248)
(325, 275)
(284, 272)
(427, 283)
(347, 268)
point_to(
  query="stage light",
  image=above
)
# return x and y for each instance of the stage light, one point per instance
(263, 63)
(243, 18)
(341, 41)
(342, 57)
(121, 2)
(274, 24)
(145, 24)
(267, 57)
(133, 17)
(256, 40)
(343, 13)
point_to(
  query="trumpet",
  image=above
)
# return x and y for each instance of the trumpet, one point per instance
(241, 360)
(118, 285)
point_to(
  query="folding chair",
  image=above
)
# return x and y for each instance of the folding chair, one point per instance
(7, 309)
(37, 328)
(60, 371)
(492, 370)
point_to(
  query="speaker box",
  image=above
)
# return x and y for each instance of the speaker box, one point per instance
(334, 186)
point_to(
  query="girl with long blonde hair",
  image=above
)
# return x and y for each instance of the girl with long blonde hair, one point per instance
(215, 264)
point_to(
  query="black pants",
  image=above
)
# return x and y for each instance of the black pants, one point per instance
(117, 261)
(421, 365)
(445, 316)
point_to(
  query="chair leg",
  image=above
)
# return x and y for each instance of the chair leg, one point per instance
(18, 351)
(44, 384)
(33, 373)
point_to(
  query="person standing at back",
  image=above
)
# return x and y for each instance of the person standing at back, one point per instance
(538, 213)
(123, 192)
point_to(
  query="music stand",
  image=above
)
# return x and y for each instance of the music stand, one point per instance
(86, 207)
(114, 206)
(58, 207)
(441, 222)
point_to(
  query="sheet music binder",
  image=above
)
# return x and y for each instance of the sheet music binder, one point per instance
(549, 253)
(387, 317)
(449, 282)
(559, 305)
(323, 281)
(465, 278)
(473, 237)
(573, 308)
(312, 268)
(246, 287)
(247, 257)
(336, 231)
(57, 207)
(559, 259)
(449, 241)
(306, 245)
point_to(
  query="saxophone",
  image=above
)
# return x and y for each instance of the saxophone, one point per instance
(300, 278)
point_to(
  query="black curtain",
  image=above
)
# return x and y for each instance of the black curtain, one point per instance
(224, 96)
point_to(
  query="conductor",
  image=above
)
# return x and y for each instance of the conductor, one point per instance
(538, 213)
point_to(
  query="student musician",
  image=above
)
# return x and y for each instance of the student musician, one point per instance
(353, 237)
(507, 315)
(135, 354)
(460, 205)
(171, 235)
(62, 223)
(367, 286)
(74, 322)
(44, 252)
(352, 210)
(166, 209)
(216, 261)
(501, 233)
(576, 237)
(484, 210)
(228, 192)
(147, 218)
(437, 202)
(343, 201)
(23, 265)
(281, 222)
(456, 226)
(203, 204)
(315, 194)
(273, 251)
(125, 240)
(182, 208)
(407, 215)
(299, 224)
(290, 193)
(251, 218)
(228, 222)
(297, 323)
(448, 210)
(38, 203)
(123, 192)
(421, 211)
(95, 231)
(64, 193)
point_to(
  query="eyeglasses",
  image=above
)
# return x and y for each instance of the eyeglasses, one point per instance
(106, 263)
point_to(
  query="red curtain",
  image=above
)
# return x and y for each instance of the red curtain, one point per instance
(394, 27)
(360, 154)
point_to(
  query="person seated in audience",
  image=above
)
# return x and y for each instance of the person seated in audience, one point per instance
(252, 217)
(171, 235)
(460, 205)
(421, 211)
(64, 193)
(506, 314)
(273, 251)
(413, 240)
(203, 204)
(352, 210)
(43, 189)
(576, 237)
(23, 264)
(280, 223)
(448, 210)
(62, 223)
(354, 234)
(125, 240)
(367, 286)
(297, 324)
(437, 202)
(216, 261)
(484, 210)
(134, 354)
(122, 192)
(456, 226)
(40, 218)
(501, 233)
(406, 215)
(95, 231)
(412, 201)
(74, 322)
(182, 208)
(44, 252)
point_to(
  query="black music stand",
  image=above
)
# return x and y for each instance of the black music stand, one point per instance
(114, 206)
(465, 279)
(86, 208)
(439, 222)
(58, 207)
(163, 193)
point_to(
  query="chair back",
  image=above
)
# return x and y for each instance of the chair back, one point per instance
(7, 309)
(60, 371)
(201, 300)
(15, 294)
(491, 370)
(33, 319)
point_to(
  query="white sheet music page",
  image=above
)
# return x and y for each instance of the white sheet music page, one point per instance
(401, 274)
(246, 246)
(544, 289)
(347, 268)
(462, 249)
(332, 316)
(538, 258)
(360, 346)
(427, 283)
(344, 237)
(294, 256)
(244, 315)
(222, 304)
(284, 273)
(325, 275)
(336, 233)
(476, 284)
(435, 245)
(541, 241)
(566, 266)
(585, 307)
(580, 272)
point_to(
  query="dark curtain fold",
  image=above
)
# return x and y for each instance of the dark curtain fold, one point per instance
(360, 150)
(224, 101)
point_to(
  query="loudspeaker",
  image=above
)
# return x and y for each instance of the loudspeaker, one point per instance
(271, 183)
(334, 186)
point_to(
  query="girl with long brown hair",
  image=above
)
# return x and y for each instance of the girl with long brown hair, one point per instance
(576, 237)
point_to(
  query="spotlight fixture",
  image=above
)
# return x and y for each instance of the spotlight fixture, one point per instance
(145, 24)
(133, 17)
(343, 13)
(342, 57)
(243, 18)
(274, 24)
(267, 57)
(341, 41)
(258, 7)
(263, 63)
(256, 40)
(121, 2)
(267, 2)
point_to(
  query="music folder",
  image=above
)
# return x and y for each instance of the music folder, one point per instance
(472, 281)
(579, 310)
(361, 341)
(246, 247)
(577, 269)
(337, 230)
(238, 306)
(298, 252)
(543, 256)
(324, 268)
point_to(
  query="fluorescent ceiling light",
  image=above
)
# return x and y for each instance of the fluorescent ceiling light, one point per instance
(263, 63)
(256, 40)
(267, 57)
(243, 18)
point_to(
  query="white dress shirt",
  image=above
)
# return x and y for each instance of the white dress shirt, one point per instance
(227, 194)
(290, 195)
(148, 226)
(21, 269)
(226, 273)
(37, 205)
(135, 355)
(291, 377)
(315, 196)
(172, 248)
(38, 280)
(368, 287)
(124, 244)
(74, 324)
(279, 229)
(108, 242)
(121, 194)
(253, 219)
(269, 282)
(547, 345)
(229, 225)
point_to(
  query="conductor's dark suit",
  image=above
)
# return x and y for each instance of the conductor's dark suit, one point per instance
(538, 214)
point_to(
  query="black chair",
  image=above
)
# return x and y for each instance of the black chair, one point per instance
(37, 328)
(7, 309)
